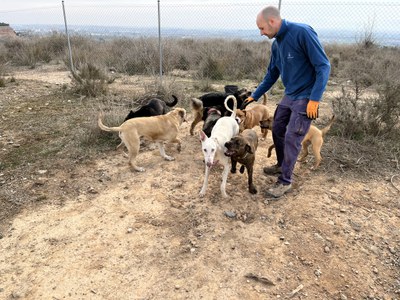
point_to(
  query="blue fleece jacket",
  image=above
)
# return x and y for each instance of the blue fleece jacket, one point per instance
(298, 57)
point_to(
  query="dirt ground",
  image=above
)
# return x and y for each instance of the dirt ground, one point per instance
(95, 230)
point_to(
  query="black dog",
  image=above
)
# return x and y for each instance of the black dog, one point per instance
(200, 106)
(213, 114)
(154, 107)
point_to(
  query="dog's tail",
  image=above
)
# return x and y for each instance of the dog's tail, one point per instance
(173, 103)
(196, 104)
(270, 150)
(104, 127)
(265, 98)
(233, 115)
(327, 127)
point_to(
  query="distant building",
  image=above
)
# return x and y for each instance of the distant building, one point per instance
(6, 32)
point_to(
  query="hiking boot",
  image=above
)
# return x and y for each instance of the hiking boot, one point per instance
(279, 190)
(272, 170)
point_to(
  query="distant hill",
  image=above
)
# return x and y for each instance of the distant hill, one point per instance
(6, 31)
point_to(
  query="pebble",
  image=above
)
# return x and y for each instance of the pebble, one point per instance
(318, 272)
(230, 214)
(335, 190)
(343, 297)
(327, 249)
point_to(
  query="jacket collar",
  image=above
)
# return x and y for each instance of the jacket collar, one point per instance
(282, 31)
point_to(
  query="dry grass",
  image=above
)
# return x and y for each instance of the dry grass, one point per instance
(63, 132)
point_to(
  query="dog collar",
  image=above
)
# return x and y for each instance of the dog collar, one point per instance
(245, 155)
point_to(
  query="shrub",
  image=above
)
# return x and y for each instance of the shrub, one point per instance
(90, 80)
(30, 52)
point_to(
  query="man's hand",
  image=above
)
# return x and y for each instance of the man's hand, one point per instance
(246, 102)
(312, 109)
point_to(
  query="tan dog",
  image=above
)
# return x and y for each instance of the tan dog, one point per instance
(251, 117)
(163, 128)
(314, 137)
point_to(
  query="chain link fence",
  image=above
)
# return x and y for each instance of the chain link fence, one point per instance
(182, 22)
(335, 21)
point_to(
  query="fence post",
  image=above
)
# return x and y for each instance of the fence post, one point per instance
(69, 43)
(159, 40)
(279, 5)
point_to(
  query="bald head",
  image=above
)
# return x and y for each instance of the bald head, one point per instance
(270, 11)
(269, 21)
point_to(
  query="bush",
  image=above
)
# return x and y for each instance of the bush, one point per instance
(369, 104)
(33, 50)
(90, 81)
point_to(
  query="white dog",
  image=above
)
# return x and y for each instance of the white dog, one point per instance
(214, 146)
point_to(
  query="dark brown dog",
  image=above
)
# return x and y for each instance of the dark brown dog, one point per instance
(241, 149)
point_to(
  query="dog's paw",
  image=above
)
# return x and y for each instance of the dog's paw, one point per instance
(167, 157)
(233, 170)
(252, 190)
(202, 194)
(225, 195)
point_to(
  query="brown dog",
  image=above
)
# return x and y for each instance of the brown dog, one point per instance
(157, 128)
(251, 117)
(241, 149)
(314, 136)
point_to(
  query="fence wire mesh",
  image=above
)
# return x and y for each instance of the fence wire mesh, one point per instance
(336, 22)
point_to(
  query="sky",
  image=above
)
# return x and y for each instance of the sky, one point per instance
(205, 14)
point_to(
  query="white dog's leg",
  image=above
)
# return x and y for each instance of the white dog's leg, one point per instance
(205, 184)
(162, 152)
(224, 179)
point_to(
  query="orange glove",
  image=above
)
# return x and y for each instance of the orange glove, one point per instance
(246, 102)
(312, 109)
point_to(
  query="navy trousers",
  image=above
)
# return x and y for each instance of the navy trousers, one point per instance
(290, 126)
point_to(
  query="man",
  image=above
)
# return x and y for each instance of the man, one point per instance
(298, 57)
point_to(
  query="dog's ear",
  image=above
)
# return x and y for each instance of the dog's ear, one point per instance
(203, 136)
(248, 149)
(182, 114)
